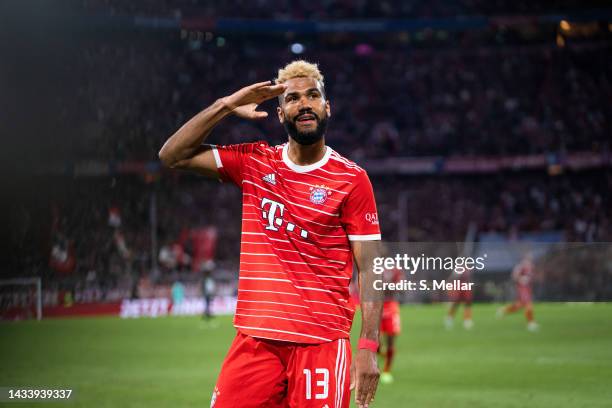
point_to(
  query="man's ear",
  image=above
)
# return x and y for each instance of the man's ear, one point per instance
(327, 108)
(281, 114)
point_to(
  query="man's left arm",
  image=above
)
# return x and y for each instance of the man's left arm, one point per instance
(364, 371)
(360, 219)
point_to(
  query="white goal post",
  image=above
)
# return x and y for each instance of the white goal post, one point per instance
(28, 282)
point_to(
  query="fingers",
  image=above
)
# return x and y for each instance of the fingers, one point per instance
(366, 388)
(271, 91)
(268, 86)
(257, 93)
(352, 385)
(278, 89)
(259, 84)
(359, 392)
(251, 114)
(371, 390)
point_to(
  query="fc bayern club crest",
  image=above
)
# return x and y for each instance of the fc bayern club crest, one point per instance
(318, 195)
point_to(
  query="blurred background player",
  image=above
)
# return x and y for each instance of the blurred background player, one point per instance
(457, 297)
(178, 293)
(204, 243)
(522, 275)
(390, 325)
(208, 291)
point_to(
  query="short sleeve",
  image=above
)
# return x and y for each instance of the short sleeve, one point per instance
(230, 160)
(359, 215)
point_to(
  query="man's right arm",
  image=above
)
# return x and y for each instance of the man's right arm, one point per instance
(185, 149)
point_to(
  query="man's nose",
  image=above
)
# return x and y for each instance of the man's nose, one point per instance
(304, 103)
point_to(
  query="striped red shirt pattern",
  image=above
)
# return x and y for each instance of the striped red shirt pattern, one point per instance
(295, 258)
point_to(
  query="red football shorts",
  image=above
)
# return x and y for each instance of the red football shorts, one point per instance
(266, 373)
(524, 294)
(390, 322)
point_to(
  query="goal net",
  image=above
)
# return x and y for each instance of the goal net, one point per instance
(20, 299)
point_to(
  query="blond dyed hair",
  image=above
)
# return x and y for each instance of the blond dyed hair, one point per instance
(299, 69)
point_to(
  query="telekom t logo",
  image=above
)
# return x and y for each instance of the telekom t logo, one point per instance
(272, 212)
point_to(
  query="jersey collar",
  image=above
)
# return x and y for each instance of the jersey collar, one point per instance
(310, 167)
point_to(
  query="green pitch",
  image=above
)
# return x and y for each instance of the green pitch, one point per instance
(174, 361)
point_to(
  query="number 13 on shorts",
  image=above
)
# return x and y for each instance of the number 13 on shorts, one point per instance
(322, 384)
(319, 376)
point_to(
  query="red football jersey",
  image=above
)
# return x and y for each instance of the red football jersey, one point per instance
(295, 258)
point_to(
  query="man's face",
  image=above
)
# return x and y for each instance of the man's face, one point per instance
(304, 110)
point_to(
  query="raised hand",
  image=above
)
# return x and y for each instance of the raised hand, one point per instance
(245, 101)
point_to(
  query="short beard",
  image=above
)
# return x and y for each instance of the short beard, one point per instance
(307, 138)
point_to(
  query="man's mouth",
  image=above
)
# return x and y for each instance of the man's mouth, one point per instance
(306, 118)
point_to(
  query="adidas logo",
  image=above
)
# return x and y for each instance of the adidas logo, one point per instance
(270, 178)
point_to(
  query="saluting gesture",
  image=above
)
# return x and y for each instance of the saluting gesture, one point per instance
(244, 102)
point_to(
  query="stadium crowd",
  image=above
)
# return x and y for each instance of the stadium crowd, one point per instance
(385, 102)
(389, 99)
(105, 224)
